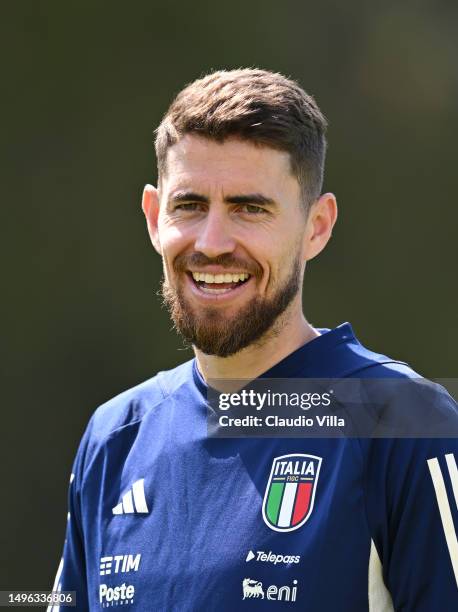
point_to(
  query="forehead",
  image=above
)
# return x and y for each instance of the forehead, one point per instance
(231, 164)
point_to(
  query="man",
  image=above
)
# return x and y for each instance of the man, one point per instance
(162, 517)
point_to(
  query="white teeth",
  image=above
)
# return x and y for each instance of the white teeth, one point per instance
(219, 278)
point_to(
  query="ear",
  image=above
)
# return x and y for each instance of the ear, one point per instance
(321, 219)
(150, 206)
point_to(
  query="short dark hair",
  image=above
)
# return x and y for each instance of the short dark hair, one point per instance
(255, 105)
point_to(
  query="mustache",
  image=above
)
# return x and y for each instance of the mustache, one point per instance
(183, 262)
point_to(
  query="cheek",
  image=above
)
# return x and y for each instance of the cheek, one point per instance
(173, 241)
(285, 260)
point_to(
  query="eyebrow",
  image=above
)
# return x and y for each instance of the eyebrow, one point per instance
(249, 198)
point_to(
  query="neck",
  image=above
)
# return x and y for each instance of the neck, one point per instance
(290, 332)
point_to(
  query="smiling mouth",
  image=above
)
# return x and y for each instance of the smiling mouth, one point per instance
(216, 284)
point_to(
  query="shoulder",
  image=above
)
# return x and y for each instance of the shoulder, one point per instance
(399, 399)
(398, 384)
(365, 363)
(404, 404)
(131, 406)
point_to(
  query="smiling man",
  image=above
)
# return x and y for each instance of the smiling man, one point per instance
(162, 516)
(235, 231)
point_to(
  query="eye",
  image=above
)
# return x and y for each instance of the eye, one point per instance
(252, 209)
(188, 206)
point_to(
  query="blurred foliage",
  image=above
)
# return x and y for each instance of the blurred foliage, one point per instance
(83, 86)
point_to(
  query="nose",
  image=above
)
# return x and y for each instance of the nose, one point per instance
(214, 236)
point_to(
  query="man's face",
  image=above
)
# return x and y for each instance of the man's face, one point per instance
(230, 231)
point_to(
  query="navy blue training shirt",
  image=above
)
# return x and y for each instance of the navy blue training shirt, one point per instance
(162, 518)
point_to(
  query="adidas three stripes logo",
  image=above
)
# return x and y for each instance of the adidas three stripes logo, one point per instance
(135, 496)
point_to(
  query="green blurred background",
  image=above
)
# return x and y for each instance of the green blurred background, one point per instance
(83, 86)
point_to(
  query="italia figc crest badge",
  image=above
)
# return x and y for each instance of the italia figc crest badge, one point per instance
(290, 492)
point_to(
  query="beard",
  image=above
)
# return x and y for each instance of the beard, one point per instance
(210, 330)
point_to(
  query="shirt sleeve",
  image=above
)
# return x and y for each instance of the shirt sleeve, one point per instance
(71, 573)
(412, 507)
